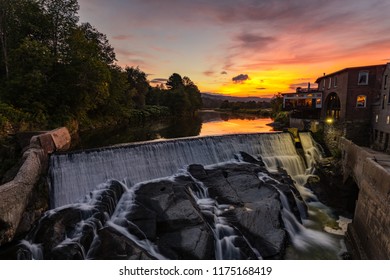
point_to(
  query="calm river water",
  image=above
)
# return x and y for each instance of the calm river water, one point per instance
(204, 124)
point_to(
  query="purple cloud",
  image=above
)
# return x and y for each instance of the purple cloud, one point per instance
(240, 78)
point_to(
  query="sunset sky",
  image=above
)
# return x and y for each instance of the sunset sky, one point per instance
(243, 47)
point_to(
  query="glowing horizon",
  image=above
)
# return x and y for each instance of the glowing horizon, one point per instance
(245, 48)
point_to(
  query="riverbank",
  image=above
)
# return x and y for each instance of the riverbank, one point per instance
(26, 196)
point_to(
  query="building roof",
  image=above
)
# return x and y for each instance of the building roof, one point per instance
(347, 69)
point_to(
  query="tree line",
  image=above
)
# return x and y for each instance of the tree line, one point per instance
(55, 71)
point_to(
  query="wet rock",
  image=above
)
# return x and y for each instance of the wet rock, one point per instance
(168, 214)
(261, 224)
(250, 159)
(67, 232)
(189, 243)
(112, 245)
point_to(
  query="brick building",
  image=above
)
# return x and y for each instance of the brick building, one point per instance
(348, 97)
(381, 115)
(345, 108)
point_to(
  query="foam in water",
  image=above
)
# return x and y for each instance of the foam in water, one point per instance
(72, 175)
(224, 234)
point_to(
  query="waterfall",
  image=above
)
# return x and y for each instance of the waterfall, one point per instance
(313, 151)
(224, 234)
(74, 174)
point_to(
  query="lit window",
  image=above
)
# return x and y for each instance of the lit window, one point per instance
(330, 82)
(363, 78)
(388, 120)
(335, 81)
(376, 118)
(361, 101)
(318, 103)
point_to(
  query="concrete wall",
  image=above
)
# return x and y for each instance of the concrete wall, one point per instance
(369, 232)
(15, 195)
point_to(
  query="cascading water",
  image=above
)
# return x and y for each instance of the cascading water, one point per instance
(224, 234)
(309, 236)
(73, 175)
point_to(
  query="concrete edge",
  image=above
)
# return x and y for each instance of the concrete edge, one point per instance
(15, 195)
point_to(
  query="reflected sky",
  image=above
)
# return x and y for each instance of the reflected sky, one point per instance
(233, 126)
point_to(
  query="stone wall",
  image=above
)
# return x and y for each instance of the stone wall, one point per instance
(369, 232)
(15, 196)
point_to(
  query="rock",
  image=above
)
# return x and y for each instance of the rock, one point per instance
(164, 215)
(112, 245)
(256, 208)
(172, 219)
(67, 232)
(189, 243)
(250, 159)
(261, 224)
(61, 138)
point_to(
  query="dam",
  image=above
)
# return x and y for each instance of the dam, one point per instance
(107, 192)
(237, 196)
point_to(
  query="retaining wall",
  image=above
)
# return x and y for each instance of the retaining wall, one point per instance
(369, 232)
(16, 194)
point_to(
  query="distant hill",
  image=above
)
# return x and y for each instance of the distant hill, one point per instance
(234, 98)
(213, 100)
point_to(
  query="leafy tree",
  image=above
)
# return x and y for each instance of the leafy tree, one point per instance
(62, 19)
(139, 84)
(175, 82)
(18, 19)
(276, 104)
(102, 46)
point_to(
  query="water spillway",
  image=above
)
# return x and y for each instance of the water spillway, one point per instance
(75, 174)
(221, 197)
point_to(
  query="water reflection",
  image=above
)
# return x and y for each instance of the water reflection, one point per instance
(205, 123)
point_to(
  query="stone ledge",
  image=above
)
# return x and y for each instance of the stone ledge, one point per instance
(15, 195)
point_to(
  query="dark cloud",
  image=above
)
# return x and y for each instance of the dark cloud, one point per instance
(251, 38)
(223, 73)
(240, 78)
(295, 86)
(208, 73)
(261, 88)
(122, 37)
(159, 80)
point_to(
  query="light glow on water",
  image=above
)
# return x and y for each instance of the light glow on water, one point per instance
(233, 126)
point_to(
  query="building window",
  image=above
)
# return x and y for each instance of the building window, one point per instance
(363, 78)
(385, 82)
(384, 101)
(388, 97)
(330, 83)
(361, 101)
(318, 103)
(335, 81)
(388, 120)
(376, 118)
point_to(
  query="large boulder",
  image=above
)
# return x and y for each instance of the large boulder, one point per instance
(166, 212)
(113, 245)
(255, 204)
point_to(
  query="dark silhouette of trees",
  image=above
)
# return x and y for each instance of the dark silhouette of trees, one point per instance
(56, 71)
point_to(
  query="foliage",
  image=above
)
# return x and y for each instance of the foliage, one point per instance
(55, 71)
(277, 105)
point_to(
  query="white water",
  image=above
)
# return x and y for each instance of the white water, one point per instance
(224, 234)
(75, 174)
(313, 152)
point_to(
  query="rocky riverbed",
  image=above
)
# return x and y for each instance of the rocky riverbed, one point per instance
(203, 212)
